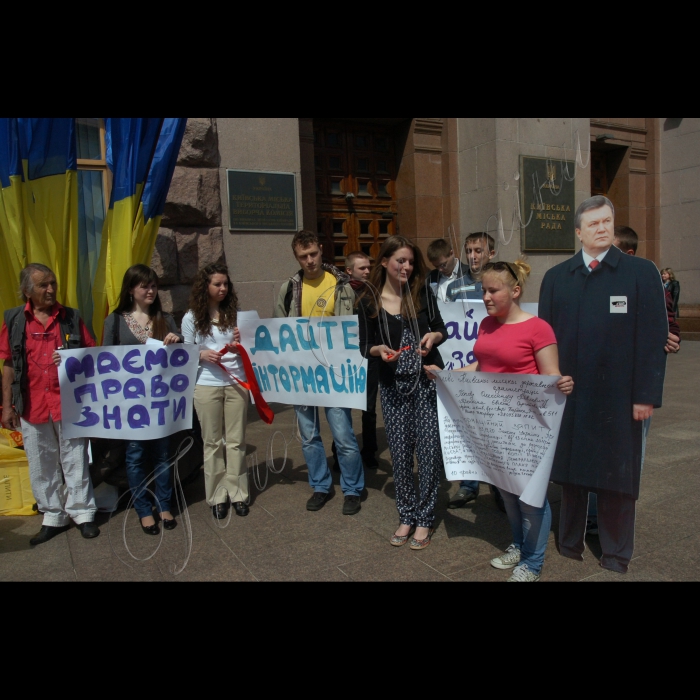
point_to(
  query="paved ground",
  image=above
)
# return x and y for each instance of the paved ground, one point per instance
(281, 541)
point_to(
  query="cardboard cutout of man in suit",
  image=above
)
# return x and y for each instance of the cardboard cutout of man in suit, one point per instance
(608, 313)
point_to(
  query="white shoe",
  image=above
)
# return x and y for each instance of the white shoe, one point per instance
(508, 560)
(521, 574)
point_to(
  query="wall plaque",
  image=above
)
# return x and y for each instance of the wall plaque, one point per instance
(262, 201)
(548, 194)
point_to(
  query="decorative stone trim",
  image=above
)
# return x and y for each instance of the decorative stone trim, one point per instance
(428, 126)
(620, 127)
(638, 157)
(427, 135)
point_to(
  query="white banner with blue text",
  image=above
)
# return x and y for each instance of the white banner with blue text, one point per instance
(501, 429)
(462, 320)
(308, 362)
(128, 392)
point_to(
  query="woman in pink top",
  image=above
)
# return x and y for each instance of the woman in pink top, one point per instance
(512, 341)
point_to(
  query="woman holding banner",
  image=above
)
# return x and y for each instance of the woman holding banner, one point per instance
(137, 319)
(512, 341)
(401, 324)
(220, 397)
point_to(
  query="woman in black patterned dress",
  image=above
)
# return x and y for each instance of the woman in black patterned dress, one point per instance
(401, 324)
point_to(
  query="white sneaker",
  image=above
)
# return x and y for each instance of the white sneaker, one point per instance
(521, 574)
(508, 560)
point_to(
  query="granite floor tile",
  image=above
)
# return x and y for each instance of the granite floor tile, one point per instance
(481, 573)
(392, 564)
(112, 570)
(50, 561)
(301, 559)
(672, 481)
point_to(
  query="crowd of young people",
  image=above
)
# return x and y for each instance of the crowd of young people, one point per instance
(401, 328)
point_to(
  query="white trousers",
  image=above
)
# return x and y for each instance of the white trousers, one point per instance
(59, 473)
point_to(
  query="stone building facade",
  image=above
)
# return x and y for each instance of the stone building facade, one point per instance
(360, 180)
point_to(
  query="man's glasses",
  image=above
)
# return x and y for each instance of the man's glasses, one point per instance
(499, 267)
(444, 265)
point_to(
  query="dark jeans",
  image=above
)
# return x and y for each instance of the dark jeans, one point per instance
(369, 417)
(155, 453)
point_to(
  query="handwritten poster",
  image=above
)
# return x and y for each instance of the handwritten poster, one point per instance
(462, 320)
(304, 362)
(501, 429)
(128, 392)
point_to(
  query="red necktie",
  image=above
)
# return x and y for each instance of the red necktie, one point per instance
(593, 264)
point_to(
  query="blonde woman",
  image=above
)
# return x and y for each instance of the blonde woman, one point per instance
(513, 341)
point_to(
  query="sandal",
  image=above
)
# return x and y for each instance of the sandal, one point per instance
(422, 544)
(400, 540)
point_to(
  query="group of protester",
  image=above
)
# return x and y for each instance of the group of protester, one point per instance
(602, 328)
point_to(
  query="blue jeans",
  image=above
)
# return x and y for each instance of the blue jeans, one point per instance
(156, 451)
(352, 476)
(472, 486)
(593, 499)
(530, 528)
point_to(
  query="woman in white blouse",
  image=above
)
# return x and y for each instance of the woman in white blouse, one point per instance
(219, 399)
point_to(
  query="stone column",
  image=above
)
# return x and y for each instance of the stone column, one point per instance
(191, 235)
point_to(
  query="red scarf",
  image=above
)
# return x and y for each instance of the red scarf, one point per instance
(264, 411)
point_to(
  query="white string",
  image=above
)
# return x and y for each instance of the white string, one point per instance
(181, 504)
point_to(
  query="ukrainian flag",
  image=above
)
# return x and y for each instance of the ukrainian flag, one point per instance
(39, 206)
(38, 203)
(141, 153)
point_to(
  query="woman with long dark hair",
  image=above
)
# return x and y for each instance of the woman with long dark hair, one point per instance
(138, 317)
(401, 324)
(220, 400)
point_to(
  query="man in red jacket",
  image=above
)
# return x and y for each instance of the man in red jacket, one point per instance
(58, 467)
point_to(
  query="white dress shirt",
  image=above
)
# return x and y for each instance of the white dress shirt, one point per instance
(587, 259)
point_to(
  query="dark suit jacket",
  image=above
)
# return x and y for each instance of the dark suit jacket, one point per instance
(616, 360)
(434, 276)
(372, 333)
(674, 286)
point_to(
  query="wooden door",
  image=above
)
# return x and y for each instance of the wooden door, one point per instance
(355, 187)
(599, 173)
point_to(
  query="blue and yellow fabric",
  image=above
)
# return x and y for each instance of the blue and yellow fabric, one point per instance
(40, 214)
(141, 153)
(38, 203)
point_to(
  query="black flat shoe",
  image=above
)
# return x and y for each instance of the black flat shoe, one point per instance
(89, 530)
(169, 524)
(47, 532)
(150, 529)
(220, 511)
(241, 509)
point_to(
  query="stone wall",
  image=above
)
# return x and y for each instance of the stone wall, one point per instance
(191, 233)
(680, 203)
(260, 262)
(489, 161)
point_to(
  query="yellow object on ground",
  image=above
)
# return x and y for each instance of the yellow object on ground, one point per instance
(12, 437)
(16, 497)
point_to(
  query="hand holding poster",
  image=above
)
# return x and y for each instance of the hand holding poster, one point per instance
(129, 392)
(501, 429)
(307, 362)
